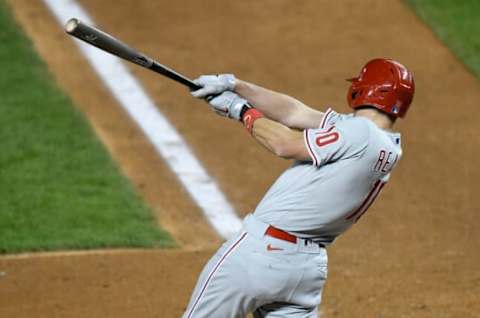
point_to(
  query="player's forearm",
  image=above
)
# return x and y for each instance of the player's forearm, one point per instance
(279, 139)
(276, 106)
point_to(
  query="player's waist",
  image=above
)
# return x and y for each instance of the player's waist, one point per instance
(260, 229)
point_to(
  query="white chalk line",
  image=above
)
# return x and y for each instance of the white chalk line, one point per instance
(129, 93)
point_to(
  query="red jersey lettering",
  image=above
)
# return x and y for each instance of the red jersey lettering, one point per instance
(384, 162)
(326, 139)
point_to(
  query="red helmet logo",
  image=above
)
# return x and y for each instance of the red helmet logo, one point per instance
(384, 84)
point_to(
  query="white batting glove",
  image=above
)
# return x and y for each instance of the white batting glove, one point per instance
(228, 104)
(214, 84)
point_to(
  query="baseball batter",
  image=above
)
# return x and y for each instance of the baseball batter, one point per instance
(277, 265)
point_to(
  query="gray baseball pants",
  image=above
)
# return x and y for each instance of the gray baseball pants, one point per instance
(253, 272)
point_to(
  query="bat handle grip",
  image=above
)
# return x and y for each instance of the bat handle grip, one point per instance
(193, 87)
(210, 97)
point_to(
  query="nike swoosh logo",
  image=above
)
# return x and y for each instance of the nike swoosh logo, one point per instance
(271, 248)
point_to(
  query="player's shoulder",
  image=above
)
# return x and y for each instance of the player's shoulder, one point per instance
(349, 126)
(333, 118)
(377, 137)
(357, 126)
(361, 128)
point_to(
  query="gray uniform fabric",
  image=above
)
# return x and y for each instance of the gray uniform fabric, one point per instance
(315, 200)
(261, 274)
(353, 160)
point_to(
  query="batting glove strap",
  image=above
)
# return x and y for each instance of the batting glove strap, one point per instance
(228, 104)
(249, 118)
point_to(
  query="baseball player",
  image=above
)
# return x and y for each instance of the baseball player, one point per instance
(277, 265)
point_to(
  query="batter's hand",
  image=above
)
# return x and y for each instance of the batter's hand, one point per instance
(229, 104)
(214, 84)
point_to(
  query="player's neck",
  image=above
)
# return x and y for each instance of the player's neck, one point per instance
(383, 121)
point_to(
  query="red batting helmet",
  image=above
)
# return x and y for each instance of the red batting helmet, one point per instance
(384, 84)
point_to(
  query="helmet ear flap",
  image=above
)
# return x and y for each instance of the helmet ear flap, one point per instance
(356, 93)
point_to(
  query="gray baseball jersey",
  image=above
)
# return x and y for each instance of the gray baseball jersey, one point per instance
(352, 160)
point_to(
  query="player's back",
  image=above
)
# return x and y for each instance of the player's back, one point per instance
(352, 159)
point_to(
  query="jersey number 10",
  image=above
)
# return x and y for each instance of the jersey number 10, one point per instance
(367, 202)
(325, 139)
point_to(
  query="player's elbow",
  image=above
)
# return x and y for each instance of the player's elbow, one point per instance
(281, 151)
(292, 116)
(284, 148)
(291, 147)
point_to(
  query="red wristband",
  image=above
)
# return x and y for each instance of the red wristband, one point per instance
(249, 118)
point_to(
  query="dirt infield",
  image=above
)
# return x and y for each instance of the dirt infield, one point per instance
(101, 284)
(415, 253)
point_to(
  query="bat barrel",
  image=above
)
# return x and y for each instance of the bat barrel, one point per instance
(108, 43)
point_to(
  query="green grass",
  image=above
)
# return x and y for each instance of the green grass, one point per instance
(59, 189)
(456, 23)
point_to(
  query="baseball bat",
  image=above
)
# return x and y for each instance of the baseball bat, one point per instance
(108, 43)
